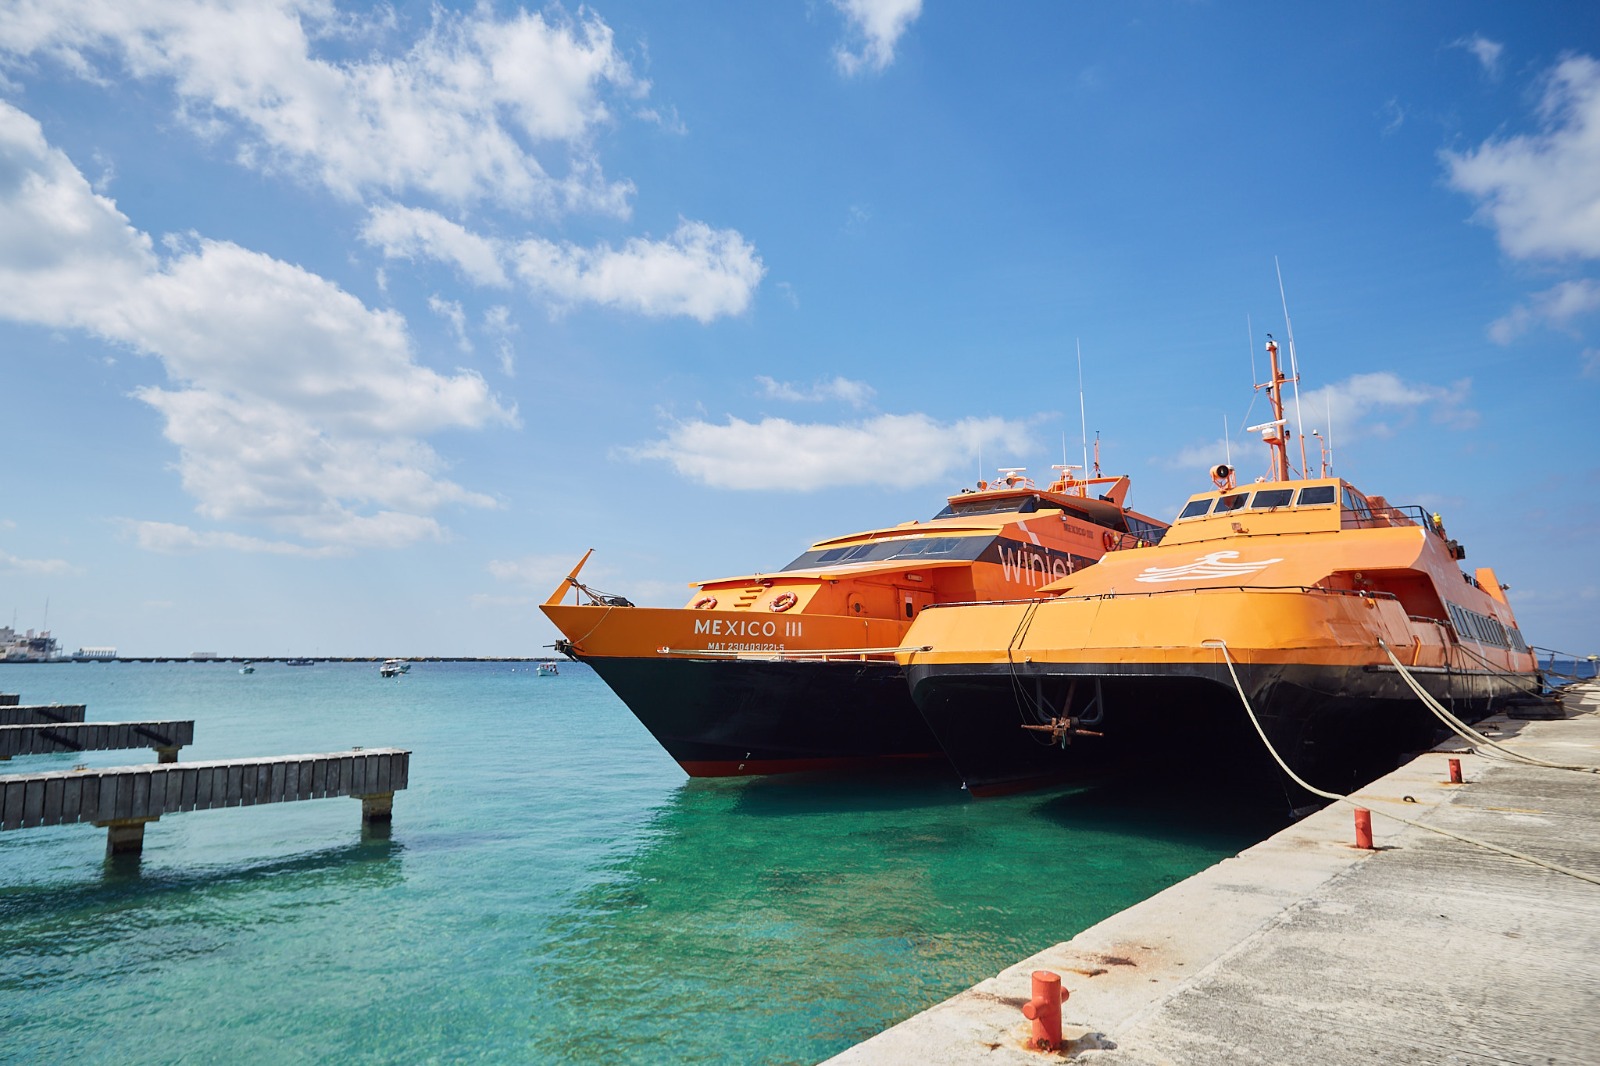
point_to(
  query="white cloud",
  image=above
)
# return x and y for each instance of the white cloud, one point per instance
(1541, 192)
(879, 24)
(890, 450)
(542, 572)
(1556, 307)
(452, 312)
(293, 404)
(1487, 52)
(13, 564)
(854, 393)
(412, 233)
(1201, 455)
(458, 115)
(698, 272)
(497, 323)
(170, 539)
(1371, 404)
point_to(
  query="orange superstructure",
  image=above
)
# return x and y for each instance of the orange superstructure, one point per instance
(794, 669)
(1306, 584)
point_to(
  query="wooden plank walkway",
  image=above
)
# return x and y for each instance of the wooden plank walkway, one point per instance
(123, 798)
(40, 713)
(165, 737)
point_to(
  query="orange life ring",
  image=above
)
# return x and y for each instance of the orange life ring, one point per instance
(705, 603)
(1109, 539)
(783, 601)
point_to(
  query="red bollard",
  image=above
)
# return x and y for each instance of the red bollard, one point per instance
(1363, 829)
(1455, 771)
(1044, 1009)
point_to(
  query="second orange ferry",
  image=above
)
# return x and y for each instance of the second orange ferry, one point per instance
(1301, 599)
(795, 670)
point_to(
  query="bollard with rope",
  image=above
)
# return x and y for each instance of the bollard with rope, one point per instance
(1238, 685)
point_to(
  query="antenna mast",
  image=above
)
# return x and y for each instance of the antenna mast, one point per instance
(1274, 432)
(1327, 406)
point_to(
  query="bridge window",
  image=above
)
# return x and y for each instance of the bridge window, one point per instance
(1226, 504)
(1195, 508)
(1271, 498)
(1316, 494)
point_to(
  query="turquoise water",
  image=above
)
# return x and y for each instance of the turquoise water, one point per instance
(552, 889)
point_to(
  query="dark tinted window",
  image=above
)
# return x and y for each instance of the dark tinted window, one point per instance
(1272, 498)
(949, 547)
(1231, 503)
(1148, 532)
(1316, 494)
(1018, 504)
(1196, 507)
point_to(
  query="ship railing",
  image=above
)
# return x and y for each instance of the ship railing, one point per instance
(1389, 515)
(1370, 594)
(1125, 541)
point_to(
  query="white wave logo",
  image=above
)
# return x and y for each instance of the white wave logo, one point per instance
(1207, 566)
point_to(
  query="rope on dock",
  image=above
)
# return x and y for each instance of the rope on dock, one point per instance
(1337, 798)
(1462, 729)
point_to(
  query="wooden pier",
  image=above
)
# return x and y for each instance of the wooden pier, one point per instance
(39, 713)
(123, 799)
(46, 739)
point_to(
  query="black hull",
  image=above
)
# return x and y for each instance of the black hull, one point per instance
(722, 718)
(1336, 727)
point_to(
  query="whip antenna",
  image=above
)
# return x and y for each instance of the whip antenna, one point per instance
(1082, 416)
(1294, 368)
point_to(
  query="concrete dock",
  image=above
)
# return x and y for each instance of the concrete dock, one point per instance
(1304, 949)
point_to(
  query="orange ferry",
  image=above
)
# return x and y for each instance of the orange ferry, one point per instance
(795, 670)
(1299, 587)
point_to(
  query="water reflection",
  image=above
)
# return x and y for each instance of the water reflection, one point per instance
(823, 909)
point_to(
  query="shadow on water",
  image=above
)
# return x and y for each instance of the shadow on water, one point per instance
(125, 883)
(908, 786)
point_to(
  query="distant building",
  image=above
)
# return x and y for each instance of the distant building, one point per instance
(28, 647)
(95, 653)
(203, 655)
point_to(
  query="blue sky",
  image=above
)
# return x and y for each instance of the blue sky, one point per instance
(339, 329)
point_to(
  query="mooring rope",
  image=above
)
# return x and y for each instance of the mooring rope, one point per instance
(1337, 798)
(1464, 731)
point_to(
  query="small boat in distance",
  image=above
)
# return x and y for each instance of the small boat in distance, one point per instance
(794, 670)
(1297, 600)
(547, 670)
(297, 662)
(394, 668)
(248, 668)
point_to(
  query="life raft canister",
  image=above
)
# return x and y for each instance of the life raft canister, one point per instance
(705, 603)
(783, 601)
(1109, 539)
